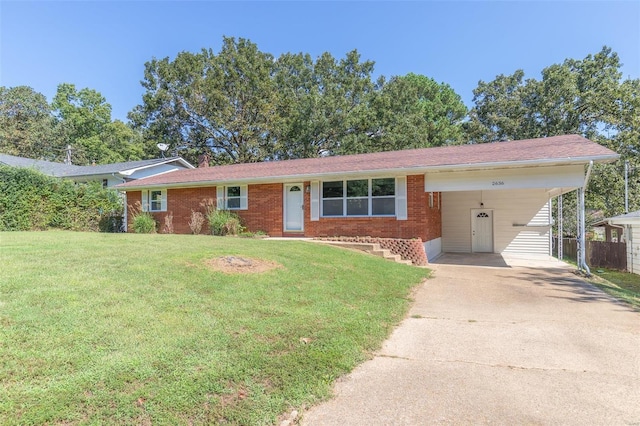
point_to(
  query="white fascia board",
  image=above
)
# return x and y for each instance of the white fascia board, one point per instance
(403, 171)
(525, 163)
(129, 172)
(626, 221)
(556, 192)
(272, 179)
(95, 176)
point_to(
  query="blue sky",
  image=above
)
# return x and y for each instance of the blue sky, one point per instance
(103, 45)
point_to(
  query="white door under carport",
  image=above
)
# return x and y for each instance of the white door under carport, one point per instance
(481, 231)
(517, 222)
(518, 197)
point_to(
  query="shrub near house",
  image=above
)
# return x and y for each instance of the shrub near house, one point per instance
(30, 200)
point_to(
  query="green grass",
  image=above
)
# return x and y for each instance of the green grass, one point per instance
(622, 285)
(619, 284)
(136, 329)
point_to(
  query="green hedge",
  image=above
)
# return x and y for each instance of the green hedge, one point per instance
(30, 200)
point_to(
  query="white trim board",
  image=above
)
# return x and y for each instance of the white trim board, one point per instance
(500, 179)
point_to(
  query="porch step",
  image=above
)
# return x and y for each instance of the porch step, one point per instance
(371, 248)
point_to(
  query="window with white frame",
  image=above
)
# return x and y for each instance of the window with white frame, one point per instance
(154, 200)
(359, 197)
(232, 197)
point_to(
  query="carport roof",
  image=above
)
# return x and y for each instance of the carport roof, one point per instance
(567, 149)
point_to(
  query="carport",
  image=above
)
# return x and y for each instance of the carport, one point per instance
(504, 208)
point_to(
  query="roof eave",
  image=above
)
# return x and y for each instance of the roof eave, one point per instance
(628, 221)
(129, 172)
(139, 184)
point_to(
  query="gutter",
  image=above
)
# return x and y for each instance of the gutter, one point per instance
(118, 177)
(375, 172)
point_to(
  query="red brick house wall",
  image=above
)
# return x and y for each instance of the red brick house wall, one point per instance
(265, 202)
(422, 222)
(134, 198)
(265, 213)
(180, 203)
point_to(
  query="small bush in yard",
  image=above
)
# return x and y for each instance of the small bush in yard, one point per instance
(224, 222)
(168, 224)
(143, 222)
(196, 222)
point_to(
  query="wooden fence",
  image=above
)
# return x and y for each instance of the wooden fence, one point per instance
(600, 254)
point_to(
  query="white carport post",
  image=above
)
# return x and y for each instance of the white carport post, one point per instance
(560, 230)
(581, 235)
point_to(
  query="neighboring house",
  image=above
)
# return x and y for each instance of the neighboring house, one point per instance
(108, 174)
(631, 224)
(491, 197)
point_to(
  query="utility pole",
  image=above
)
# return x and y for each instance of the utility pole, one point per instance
(67, 158)
(626, 186)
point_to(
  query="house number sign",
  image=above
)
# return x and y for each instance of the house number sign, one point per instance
(497, 183)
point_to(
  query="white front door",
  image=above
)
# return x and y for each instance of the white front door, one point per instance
(482, 231)
(293, 207)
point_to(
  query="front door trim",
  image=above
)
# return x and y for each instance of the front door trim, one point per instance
(482, 233)
(289, 209)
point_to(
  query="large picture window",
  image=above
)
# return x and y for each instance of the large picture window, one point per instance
(359, 197)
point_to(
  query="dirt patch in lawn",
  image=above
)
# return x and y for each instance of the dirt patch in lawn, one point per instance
(241, 265)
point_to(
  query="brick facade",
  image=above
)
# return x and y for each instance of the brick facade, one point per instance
(265, 213)
(422, 221)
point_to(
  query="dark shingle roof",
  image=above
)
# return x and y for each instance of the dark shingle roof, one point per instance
(569, 148)
(46, 167)
(630, 215)
(65, 170)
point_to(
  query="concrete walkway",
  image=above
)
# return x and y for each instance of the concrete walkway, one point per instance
(499, 345)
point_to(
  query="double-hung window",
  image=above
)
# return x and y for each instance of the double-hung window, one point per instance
(359, 197)
(232, 197)
(154, 200)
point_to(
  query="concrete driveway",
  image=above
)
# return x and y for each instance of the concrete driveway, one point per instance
(499, 345)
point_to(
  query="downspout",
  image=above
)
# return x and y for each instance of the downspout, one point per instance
(124, 199)
(582, 263)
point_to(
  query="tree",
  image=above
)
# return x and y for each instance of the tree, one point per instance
(585, 97)
(223, 104)
(414, 111)
(84, 122)
(323, 104)
(26, 124)
(242, 105)
(575, 97)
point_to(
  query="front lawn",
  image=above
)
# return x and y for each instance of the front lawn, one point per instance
(140, 329)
